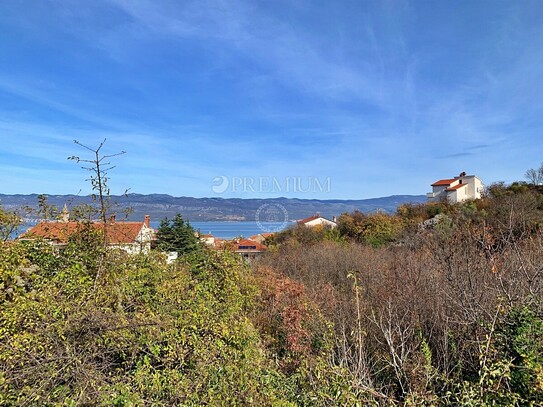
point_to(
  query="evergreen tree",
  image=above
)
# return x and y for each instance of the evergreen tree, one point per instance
(176, 236)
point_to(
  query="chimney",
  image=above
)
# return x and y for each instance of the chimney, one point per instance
(112, 219)
(65, 215)
(334, 219)
(147, 221)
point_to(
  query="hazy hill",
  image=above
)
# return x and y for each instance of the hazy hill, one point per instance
(209, 209)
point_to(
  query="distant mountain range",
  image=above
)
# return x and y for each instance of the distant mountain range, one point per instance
(222, 209)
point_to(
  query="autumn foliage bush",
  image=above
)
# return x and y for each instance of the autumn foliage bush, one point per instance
(447, 315)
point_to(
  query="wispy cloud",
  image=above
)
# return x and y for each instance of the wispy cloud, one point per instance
(287, 51)
(455, 155)
(196, 89)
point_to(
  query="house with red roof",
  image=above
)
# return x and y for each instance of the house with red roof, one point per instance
(132, 237)
(316, 220)
(456, 189)
(249, 249)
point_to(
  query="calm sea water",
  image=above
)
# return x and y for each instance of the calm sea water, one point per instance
(229, 230)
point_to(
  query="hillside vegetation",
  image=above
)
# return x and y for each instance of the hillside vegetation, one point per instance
(446, 311)
(384, 310)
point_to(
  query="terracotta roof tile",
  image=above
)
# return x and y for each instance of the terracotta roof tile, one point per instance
(443, 182)
(59, 232)
(456, 187)
(123, 232)
(309, 219)
(253, 246)
(55, 231)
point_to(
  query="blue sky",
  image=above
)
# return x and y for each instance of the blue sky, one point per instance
(383, 97)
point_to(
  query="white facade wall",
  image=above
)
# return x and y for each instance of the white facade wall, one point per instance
(133, 248)
(478, 188)
(438, 193)
(474, 187)
(457, 195)
(172, 256)
(462, 194)
(208, 240)
(451, 197)
(143, 240)
(321, 221)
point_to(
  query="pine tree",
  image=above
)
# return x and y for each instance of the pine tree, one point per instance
(176, 236)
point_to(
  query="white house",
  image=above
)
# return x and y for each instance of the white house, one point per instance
(316, 220)
(207, 239)
(457, 189)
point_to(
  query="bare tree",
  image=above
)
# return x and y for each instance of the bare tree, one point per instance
(535, 176)
(99, 165)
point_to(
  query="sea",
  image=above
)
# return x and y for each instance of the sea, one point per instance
(230, 230)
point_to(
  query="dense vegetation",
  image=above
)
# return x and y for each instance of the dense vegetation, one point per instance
(426, 309)
(191, 333)
(404, 309)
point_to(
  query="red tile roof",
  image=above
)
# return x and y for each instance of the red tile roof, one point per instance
(123, 232)
(55, 231)
(249, 245)
(309, 219)
(317, 216)
(443, 182)
(59, 232)
(456, 187)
